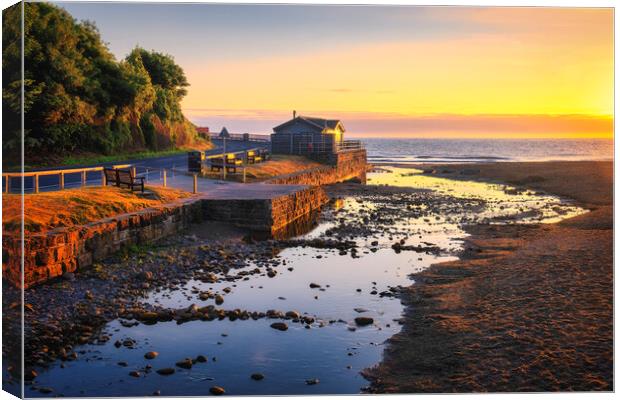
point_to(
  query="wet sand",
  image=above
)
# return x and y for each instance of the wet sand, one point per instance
(527, 308)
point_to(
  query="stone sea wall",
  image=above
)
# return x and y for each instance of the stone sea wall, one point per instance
(343, 166)
(51, 254)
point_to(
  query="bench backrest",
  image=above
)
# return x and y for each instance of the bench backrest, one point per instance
(124, 175)
(110, 174)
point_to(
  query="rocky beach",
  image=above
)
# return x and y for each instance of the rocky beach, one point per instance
(237, 301)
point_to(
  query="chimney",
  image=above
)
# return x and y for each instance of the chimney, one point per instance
(294, 114)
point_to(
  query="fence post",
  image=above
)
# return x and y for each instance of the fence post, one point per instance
(83, 178)
(195, 183)
(103, 178)
(36, 183)
(8, 184)
(164, 176)
(147, 175)
(244, 174)
(133, 171)
(61, 182)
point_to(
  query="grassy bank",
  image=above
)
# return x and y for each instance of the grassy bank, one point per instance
(278, 165)
(526, 308)
(66, 208)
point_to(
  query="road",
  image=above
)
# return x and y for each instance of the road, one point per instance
(149, 167)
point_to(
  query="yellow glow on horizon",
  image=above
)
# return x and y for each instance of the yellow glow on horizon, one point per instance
(548, 70)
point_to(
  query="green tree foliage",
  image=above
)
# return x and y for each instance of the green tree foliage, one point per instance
(78, 97)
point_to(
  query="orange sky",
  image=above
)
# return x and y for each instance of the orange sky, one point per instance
(417, 71)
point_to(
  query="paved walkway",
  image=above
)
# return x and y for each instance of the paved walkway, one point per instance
(214, 189)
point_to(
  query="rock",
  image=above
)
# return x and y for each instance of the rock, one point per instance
(186, 363)
(30, 375)
(88, 295)
(151, 355)
(257, 376)
(45, 390)
(312, 381)
(201, 359)
(165, 371)
(68, 276)
(157, 393)
(135, 374)
(314, 285)
(360, 310)
(281, 326)
(293, 314)
(144, 276)
(217, 390)
(363, 321)
(122, 363)
(149, 316)
(219, 299)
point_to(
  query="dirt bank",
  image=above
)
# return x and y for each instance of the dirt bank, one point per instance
(527, 308)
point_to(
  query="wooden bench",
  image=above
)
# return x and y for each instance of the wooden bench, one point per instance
(232, 162)
(264, 154)
(253, 157)
(123, 177)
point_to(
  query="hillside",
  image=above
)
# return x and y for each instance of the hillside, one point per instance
(79, 99)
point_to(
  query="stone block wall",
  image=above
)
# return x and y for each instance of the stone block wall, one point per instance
(51, 254)
(48, 255)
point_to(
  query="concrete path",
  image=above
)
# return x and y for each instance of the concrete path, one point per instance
(221, 190)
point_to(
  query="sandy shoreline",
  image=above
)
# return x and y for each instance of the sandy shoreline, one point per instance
(527, 308)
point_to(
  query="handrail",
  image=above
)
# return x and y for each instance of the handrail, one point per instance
(7, 176)
(60, 171)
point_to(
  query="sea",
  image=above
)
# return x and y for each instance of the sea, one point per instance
(419, 151)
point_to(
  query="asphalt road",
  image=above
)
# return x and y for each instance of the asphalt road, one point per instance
(154, 165)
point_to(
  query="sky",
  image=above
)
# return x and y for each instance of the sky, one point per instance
(467, 72)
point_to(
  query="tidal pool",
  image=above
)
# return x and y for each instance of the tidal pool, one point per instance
(395, 234)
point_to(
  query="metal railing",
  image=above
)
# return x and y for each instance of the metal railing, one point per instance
(76, 177)
(349, 145)
(246, 137)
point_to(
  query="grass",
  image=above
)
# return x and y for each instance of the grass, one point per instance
(66, 208)
(278, 165)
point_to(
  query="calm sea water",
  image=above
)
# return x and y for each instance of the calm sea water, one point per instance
(415, 151)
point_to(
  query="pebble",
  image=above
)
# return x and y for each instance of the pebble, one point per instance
(165, 371)
(135, 374)
(257, 376)
(363, 321)
(151, 355)
(186, 363)
(312, 381)
(281, 326)
(217, 390)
